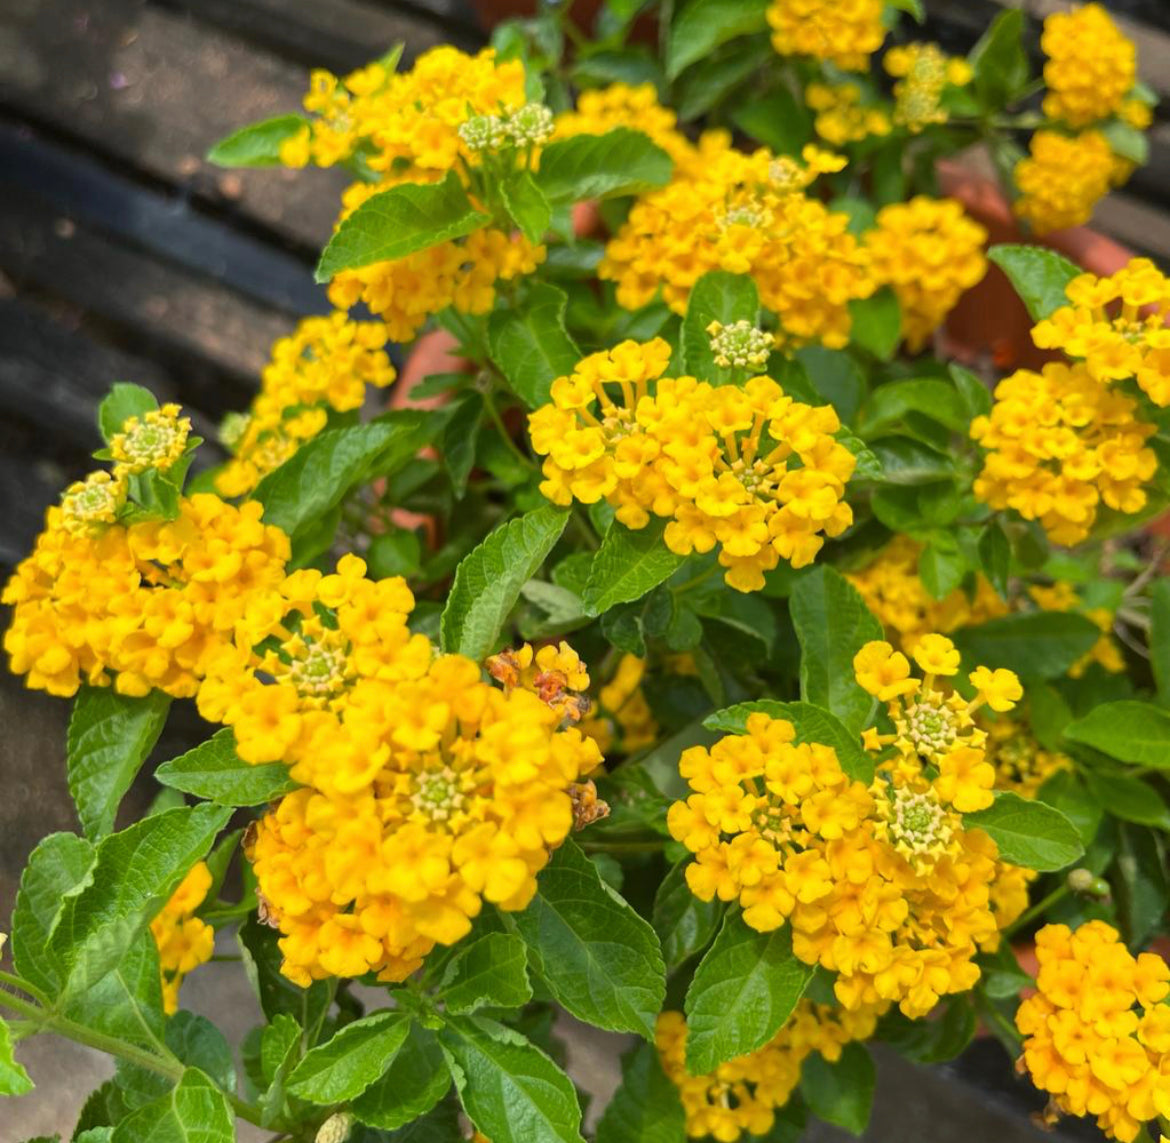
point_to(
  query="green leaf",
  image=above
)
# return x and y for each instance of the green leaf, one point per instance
(877, 323)
(995, 557)
(277, 994)
(530, 345)
(1036, 644)
(941, 564)
(811, 723)
(110, 736)
(1039, 276)
(599, 959)
(836, 378)
(1129, 798)
(999, 61)
(702, 25)
(354, 1058)
(684, 924)
(778, 120)
(1140, 884)
(716, 296)
(280, 1048)
(14, 1080)
(646, 1108)
(1065, 792)
(975, 393)
(195, 1041)
(1127, 141)
(929, 397)
(491, 972)
(121, 403)
(526, 205)
(1028, 833)
(743, 991)
(510, 1089)
(1131, 731)
(840, 1093)
(627, 566)
(415, 1081)
(460, 438)
(213, 770)
(127, 1002)
(317, 476)
(258, 144)
(620, 162)
(1159, 637)
(713, 79)
(135, 873)
(194, 1111)
(489, 578)
(832, 624)
(396, 222)
(59, 868)
(905, 461)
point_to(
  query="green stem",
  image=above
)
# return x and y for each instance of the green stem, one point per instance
(15, 981)
(225, 958)
(1037, 910)
(494, 413)
(171, 1068)
(695, 581)
(1006, 1028)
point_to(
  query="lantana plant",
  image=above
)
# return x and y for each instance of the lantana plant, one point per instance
(702, 650)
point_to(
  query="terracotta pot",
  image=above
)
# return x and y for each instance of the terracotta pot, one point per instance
(990, 321)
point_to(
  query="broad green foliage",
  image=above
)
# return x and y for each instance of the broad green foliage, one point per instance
(213, 770)
(744, 989)
(488, 582)
(596, 955)
(110, 736)
(721, 297)
(399, 221)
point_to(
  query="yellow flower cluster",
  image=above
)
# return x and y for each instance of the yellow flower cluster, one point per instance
(1097, 1033)
(930, 252)
(326, 363)
(1117, 325)
(1063, 597)
(1064, 177)
(893, 591)
(297, 652)
(139, 607)
(157, 439)
(747, 214)
(404, 124)
(697, 454)
(843, 32)
(741, 1096)
(1058, 444)
(184, 941)
(427, 796)
(883, 886)
(413, 127)
(603, 109)
(1091, 66)
(841, 117)
(923, 74)
(1021, 764)
(623, 719)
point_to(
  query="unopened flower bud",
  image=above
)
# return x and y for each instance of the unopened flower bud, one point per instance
(739, 345)
(336, 1128)
(232, 429)
(531, 125)
(1081, 880)
(483, 133)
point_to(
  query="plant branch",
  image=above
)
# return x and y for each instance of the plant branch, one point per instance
(1038, 910)
(14, 981)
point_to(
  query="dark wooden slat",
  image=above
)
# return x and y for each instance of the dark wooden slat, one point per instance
(336, 34)
(156, 90)
(169, 226)
(181, 312)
